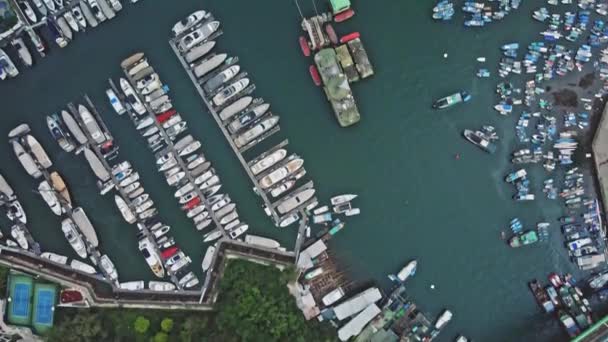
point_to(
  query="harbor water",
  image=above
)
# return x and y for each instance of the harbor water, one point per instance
(417, 199)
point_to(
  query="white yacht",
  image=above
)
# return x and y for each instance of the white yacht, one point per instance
(74, 238)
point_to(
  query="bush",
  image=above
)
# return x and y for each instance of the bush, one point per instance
(141, 324)
(166, 325)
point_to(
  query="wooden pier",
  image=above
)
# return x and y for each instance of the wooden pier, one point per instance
(237, 151)
(95, 148)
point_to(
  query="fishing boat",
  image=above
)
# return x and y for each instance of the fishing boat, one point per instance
(74, 238)
(541, 296)
(125, 211)
(212, 236)
(135, 285)
(199, 51)
(268, 161)
(115, 102)
(340, 199)
(82, 221)
(189, 22)
(479, 139)
(26, 160)
(443, 319)
(24, 54)
(57, 132)
(451, 100)
(344, 15)
(38, 151)
(18, 233)
(82, 267)
(50, 197)
(235, 107)
(108, 266)
(54, 257)
(131, 97)
(152, 258)
(15, 212)
(524, 239)
(207, 65)
(281, 173)
(60, 187)
(295, 200)
(208, 258)
(160, 286)
(347, 38)
(256, 131)
(193, 38)
(73, 127)
(238, 231)
(96, 165)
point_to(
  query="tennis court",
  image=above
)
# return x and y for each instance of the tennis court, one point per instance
(19, 308)
(44, 306)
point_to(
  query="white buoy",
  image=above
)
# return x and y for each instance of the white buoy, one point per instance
(432, 286)
(445, 55)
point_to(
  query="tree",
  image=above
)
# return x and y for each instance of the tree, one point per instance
(161, 337)
(166, 325)
(141, 324)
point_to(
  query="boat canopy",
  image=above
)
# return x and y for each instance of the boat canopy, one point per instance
(338, 6)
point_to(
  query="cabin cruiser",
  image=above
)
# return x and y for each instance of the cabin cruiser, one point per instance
(15, 212)
(59, 134)
(281, 173)
(131, 97)
(18, 233)
(256, 131)
(152, 257)
(235, 107)
(7, 64)
(268, 161)
(161, 286)
(230, 91)
(135, 285)
(50, 197)
(246, 119)
(74, 238)
(125, 211)
(91, 124)
(222, 77)
(199, 51)
(189, 22)
(108, 267)
(22, 50)
(115, 102)
(198, 35)
(26, 160)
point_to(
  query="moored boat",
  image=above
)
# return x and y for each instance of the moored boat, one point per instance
(451, 100)
(91, 124)
(22, 50)
(50, 197)
(251, 134)
(347, 38)
(279, 174)
(200, 34)
(295, 200)
(199, 51)
(124, 209)
(208, 258)
(268, 161)
(26, 160)
(82, 221)
(314, 73)
(523, 239)
(340, 199)
(161, 286)
(135, 285)
(344, 15)
(479, 139)
(63, 139)
(108, 266)
(96, 165)
(83, 267)
(18, 233)
(54, 257)
(235, 107)
(74, 238)
(115, 102)
(73, 127)
(304, 46)
(59, 186)
(204, 67)
(188, 22)
(38, 151)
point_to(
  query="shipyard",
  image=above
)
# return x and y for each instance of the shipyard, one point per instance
(452, 188)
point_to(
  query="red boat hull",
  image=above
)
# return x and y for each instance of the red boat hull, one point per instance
(349, 37)
(169, 252)
(70, 296)
(314, 73)
(164, 116)
(304, 46)
(331, 33)
(192, 203)
(345, 15)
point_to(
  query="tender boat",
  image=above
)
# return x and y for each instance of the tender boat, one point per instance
(18, 233)
(230, 91)
(235, 107)
(63, 139)
(199, 51)
(256, 131)
(152, 257)
(26, 160)
(347, 38)
(74, 238)
(247, 118)
(279, 174)
(451, 100)
(60, 259)
(126, 213)
(22, 50)
(131, 97)
(207, 65)
(208, 258)
(91, 125)
(50, 197)
(479, 139)
(135, 285)
(222, 77)
(295, 200)
(198, 35)
(161, 286)
(38, 151)
(73, 127)
(189, 22)
(268, 161)
(340, 199)
(107, 265)
(83, 267)
(82, 221)
(115, 102)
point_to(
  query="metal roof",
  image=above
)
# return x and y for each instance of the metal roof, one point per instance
(357, 303)
(339, 5)
(356, 325)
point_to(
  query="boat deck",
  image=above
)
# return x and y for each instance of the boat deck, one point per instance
(346, 61)
(364, 67)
